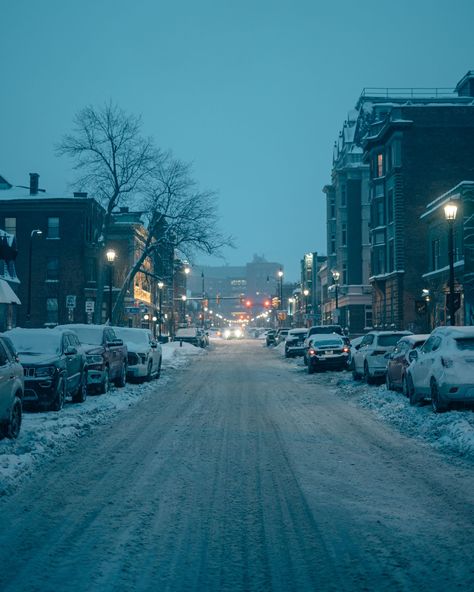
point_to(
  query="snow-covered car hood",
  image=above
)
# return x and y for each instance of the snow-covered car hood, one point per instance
(136, 348)
(91, 348)
(38, 359)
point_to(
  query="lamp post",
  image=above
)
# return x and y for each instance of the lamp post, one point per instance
(335, 276)
(202, 300)
(425, 294)
(450, 211)
(280, 279)
(183, 300)
(110, 254)
(161, 285)
(306, 294)
(30, 259)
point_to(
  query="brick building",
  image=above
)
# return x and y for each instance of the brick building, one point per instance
(416, 151)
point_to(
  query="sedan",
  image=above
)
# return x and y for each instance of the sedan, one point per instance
(144, 353)
(327, 352)
(54, 366)
(294, 342)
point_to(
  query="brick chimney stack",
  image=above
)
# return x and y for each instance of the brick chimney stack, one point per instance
(34, 183)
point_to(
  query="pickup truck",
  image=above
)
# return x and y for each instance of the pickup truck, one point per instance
(106, 356)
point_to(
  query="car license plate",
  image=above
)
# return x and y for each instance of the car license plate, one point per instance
(329, 352)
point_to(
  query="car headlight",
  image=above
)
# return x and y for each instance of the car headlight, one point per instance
(227, 333)
(238, 333)
(45, 371)
(94, 359)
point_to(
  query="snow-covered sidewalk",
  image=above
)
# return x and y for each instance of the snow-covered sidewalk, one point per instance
(451, 432)
(44, 435)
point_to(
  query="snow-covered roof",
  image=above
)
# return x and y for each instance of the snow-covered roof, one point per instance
(451, 194)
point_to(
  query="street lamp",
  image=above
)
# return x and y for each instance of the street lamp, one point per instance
(335, 276)
(280, 276)
(202, 299)
(450, 211)
(306, 294)
(110, 254)
(30, 259)
(161, 285)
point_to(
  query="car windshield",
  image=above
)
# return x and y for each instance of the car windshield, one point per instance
(465, 343)
(87, 335)
(326, 330)
(388, 340)
(328, 343)
(138, 336)
(45, 342)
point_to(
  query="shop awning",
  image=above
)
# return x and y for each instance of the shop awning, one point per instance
(7, 295)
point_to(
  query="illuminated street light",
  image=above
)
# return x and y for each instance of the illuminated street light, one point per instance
(450, 211)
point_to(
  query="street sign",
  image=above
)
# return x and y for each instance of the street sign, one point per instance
(132, 309)
(90, 305)
(70, 301)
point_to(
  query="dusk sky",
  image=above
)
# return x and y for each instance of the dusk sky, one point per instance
(253, 92)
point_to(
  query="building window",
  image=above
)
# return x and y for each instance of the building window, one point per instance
(391, 256)
(389, 159)
(10, 226)
(53, 227)
(52, 310)
(344, 273)
(344, 235)
(379, 165)
(378, 210)
(435, 254)
(379, 261)
(52, 268)
(343, 196)
(368, 317)
(333, 244)
(333, 209)
(390, 206)
(91, 270)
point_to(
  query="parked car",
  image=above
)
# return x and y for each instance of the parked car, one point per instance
(144, 355)
(106, 355)
(281, 335)
(353, 343)
(54, 366)
(443, 369)
(294, 342)
(270, 337)
(189, 335)
(11, 390)
(320, 330)
(327, 352)
(398, 360)
(369, 359)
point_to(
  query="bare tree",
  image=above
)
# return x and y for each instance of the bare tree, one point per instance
(179, 215)
(114, 162)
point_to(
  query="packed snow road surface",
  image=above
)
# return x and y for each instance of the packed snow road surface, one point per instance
(242, 475)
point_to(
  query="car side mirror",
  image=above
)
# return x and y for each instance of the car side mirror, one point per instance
(413, 355)
(70, 351)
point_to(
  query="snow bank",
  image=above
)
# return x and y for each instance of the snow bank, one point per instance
(47, 434)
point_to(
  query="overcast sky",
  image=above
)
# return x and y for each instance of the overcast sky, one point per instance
(254, 92)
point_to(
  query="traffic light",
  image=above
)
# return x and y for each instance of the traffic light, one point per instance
(267, 303)
(218, 299)
(248, 303)
(241, 299)
(205, 303)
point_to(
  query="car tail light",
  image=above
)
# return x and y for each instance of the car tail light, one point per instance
(312, 352)
(378, 352)
(345, 349)
(446, 362)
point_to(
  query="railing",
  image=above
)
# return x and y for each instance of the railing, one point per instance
(409, 93)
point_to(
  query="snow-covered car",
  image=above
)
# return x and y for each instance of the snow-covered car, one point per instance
(189, 335)
(54, 366)
(106, 355)
(294, 342)
(368, 358)
(353, 343)
(144, 353)
(11, 390)
(281, 334)
(270, 337)
(327, 352)
(320, 330)
(399, 360)
(443, 369)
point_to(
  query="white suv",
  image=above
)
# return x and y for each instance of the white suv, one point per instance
(368, 358)
(443, 368)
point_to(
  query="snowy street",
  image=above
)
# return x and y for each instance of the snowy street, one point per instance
(240, 472)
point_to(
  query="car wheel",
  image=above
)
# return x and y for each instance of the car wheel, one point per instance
(388, 382)
(105, 386)
(12, 429)
(355, 374)
(409, 390)
(81, 395)
(437, 403)
(310, 367)
(368, 379)
(148, 376)
(287, 355)
(122, 378)
(59, 397)
(158, 372)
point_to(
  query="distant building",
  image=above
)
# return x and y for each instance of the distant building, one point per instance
(309, 295)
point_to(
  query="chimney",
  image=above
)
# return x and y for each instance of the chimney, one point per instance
(80, 193)
(34, 183)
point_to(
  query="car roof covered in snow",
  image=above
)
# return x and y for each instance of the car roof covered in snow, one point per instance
(455, 332)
